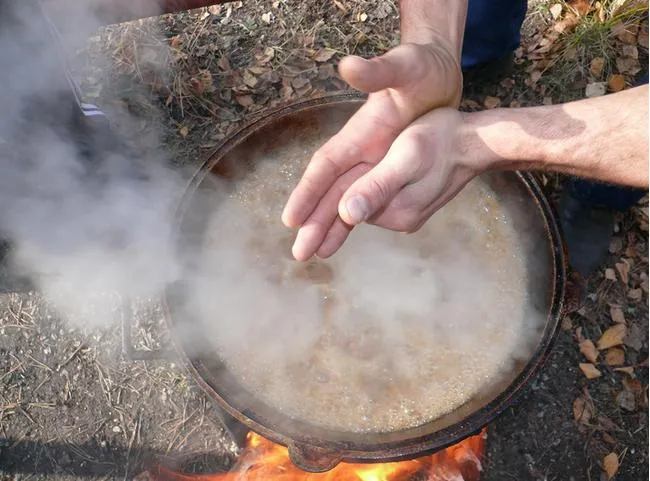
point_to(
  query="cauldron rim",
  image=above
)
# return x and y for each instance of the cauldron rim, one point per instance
(325, 454)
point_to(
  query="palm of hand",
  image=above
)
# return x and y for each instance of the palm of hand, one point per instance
(404, 84)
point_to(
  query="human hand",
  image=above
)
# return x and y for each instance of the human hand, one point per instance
(405, 83)
(425, 167)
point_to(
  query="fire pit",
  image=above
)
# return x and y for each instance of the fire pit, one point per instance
(264, 460)
(311, 447)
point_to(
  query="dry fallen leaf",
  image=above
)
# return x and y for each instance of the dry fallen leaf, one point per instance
(612, 337)
(214, 9)
(615, 357)
(324, 54)
(266, 56)
(299, 82)
(633, 337)
(628, 65)
(257, 70)
(568, 23)
(556, 10)
(616, 83)
(249, 79)
(642, 39)
(535, 75)
(596, 66)
(326, 71)
(588, 350)
(616, 313)
(616, 245)
(623, 269)
(608, 438)
(491, 102)
(581, 410)
(176, 41)
(635, 294)
(625, 33)
(245, 100)
(589, 370)
(610, 465)
(304, 90)
(632, 385)
(578, 334)
(644, 282)
(601, 12)
(224, 64)
(626, 400)
(610, 274)
(630, 51)
(286, 92)
(582, 7)
(629, 370)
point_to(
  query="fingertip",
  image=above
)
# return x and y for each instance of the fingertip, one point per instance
(307, 241)
(288, 219)
(351, 64)
(299, 252)
(358, 73)
(354, 209)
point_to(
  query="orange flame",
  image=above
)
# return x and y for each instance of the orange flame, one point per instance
(263, 460)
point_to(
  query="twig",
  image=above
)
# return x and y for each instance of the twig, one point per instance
(39, 363)
(12, 370)
(69, 358)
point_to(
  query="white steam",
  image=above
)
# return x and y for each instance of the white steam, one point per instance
(389, 333)
(85, 230)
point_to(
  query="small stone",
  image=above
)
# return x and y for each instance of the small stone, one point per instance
(595, 89)
(117, 429)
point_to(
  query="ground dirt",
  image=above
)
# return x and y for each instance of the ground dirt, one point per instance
(72, 406)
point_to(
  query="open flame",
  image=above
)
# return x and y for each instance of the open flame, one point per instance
(263, 460)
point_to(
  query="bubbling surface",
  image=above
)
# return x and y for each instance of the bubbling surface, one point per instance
(392, 332)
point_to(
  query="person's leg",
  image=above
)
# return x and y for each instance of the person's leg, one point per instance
(492, 30)
(492, 33)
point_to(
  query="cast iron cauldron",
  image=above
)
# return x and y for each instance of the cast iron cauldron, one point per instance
(314, 448)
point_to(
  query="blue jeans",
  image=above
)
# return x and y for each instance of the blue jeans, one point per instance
(492, 30)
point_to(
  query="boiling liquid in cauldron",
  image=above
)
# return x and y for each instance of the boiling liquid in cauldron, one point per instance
(393, 331)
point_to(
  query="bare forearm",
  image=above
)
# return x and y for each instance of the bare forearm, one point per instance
(604, 138)
(423, 19)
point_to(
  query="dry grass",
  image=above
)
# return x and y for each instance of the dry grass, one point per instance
(591, 35)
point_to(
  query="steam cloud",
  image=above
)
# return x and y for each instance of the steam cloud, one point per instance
(389, 333)
(84, 229)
